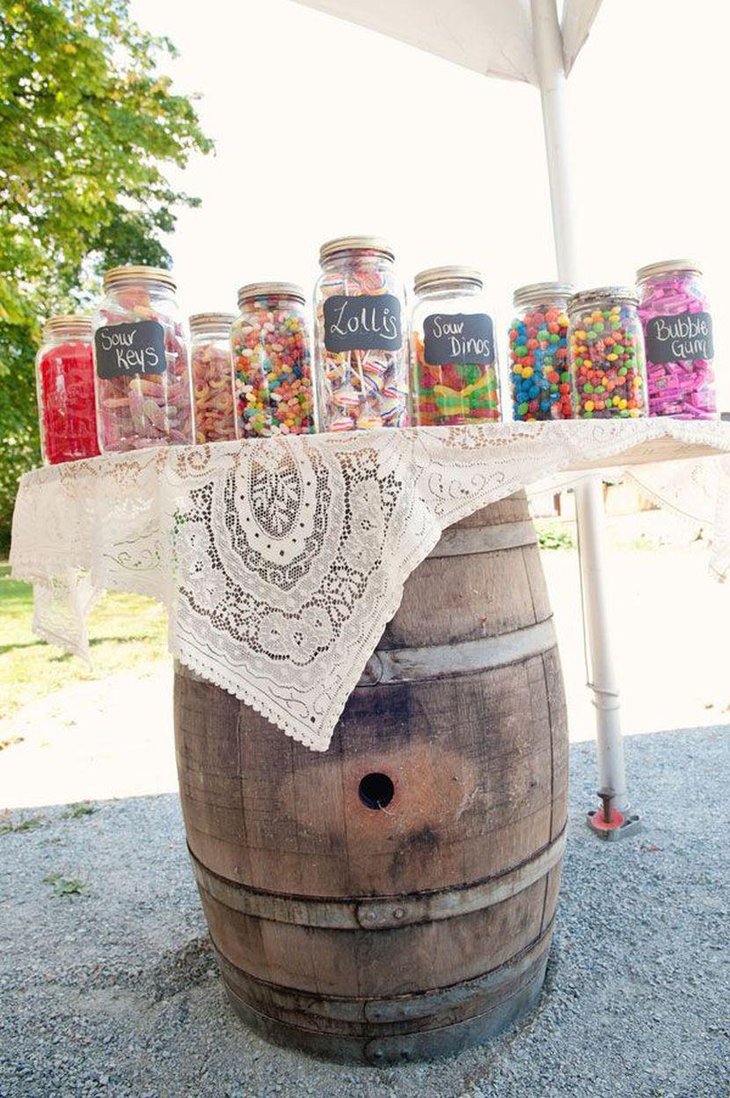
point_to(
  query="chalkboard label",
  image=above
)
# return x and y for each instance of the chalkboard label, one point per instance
(679, 338)
(459, 338)
(126, 349)
(363, 323)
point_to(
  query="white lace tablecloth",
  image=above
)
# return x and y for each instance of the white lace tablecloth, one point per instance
(281, 560)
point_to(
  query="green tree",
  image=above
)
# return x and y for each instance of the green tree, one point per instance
(88, 124)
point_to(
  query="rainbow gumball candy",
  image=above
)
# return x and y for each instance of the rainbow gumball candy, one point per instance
(606, 344)
(538, 351)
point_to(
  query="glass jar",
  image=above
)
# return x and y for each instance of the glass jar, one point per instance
(678, 337)
(538, 351)
(272, 362)
(453, 350)
(143, 383)
(210, 361)
(606, 354)
(362, 356)
(65, 386)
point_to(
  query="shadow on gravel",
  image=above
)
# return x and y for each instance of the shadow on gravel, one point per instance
(177, 971)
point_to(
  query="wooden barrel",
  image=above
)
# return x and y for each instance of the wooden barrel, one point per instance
(393, 898)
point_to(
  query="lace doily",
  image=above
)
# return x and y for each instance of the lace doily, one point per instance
(281, 560)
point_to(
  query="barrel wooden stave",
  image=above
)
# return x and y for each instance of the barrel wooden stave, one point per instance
(274, 829)
(479, 766)
(399, 1014)
(507, 1005)
(372, 963)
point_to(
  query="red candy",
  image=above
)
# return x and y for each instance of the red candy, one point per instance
(66, 403)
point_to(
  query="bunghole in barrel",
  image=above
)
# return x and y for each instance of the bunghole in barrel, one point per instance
(393, 898)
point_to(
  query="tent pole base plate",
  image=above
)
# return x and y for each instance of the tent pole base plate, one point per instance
(617, 827)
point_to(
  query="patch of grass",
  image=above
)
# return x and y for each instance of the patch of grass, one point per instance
(28, 823)
(76, 811)
(125, 631)
(65, 886)
(554, 535)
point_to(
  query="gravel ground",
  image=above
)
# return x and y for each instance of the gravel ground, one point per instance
(112, 990)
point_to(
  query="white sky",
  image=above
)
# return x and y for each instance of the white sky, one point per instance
(323, 128)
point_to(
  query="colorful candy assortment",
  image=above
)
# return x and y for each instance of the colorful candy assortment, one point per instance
(361, 349)
(607, 354)
(65, 381)
(583, 355)
(538, 351)
(271, 360)
(454, 355)
(678, 336)
(210, 358)
(143, 383)
(452, 394)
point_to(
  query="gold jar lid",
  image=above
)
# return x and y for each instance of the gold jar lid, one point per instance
(73, 324)
(619, 294)
(354, 244)
(270, 289)
(204, 322)
(667, 266)
(126, 276)
(541, 293)
(434, 277)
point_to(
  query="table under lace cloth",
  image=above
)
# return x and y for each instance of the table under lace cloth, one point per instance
(281, 560)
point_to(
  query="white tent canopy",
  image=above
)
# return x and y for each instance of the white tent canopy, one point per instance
(492, 37)
(529, 40)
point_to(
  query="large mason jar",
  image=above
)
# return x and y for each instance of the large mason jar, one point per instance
(65, 386)
(210, 358)
(143, 383)
(272, 361)
(538, 351)
(453, 349)
(678, 337)
(607, 366)
(361, 348)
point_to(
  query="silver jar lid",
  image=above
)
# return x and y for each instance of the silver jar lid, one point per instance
(539, 293)
(69, 324)
(667, 266)
(626, 294)
(204, 322)
(125, 276)
(353, 244)
(433, 277)
(270, 289)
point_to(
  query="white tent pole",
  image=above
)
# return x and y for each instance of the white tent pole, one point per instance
(548, 42)
(589, 492)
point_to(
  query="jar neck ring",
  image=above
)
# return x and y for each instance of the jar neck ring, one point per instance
(67, 327)
(139, 277)
(454, 287)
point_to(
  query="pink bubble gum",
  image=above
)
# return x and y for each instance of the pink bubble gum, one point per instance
(684, 387)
